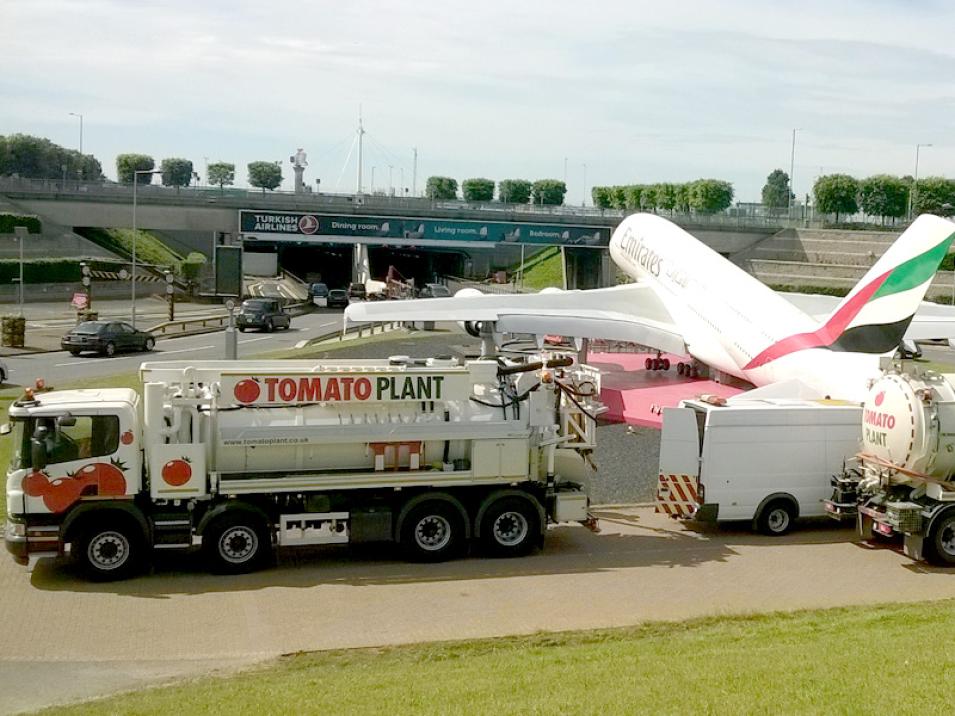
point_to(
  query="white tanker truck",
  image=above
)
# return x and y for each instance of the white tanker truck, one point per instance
(904, 482)
(236, 458)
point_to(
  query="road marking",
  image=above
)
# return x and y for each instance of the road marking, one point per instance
(187, 350)
(137, 356)
(253, 340)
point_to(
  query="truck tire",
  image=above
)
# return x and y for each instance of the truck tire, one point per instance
(236, 543)
(943, 540)
(432, 532)
(108, 552)
(510, 528)
(776, 518)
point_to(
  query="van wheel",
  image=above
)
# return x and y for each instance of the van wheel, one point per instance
(943, 541)
(776, 518)
(107, 553)
(236, 543)
(510, 528)
(432, 532)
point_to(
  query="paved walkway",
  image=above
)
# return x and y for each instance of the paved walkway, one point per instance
(70, 639)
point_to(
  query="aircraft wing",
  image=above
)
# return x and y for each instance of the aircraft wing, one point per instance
(631, 312)
(932, 321)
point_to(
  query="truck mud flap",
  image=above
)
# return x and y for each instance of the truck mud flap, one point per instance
(677, 495)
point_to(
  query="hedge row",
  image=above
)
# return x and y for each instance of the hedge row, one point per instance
(40, 271)
(9, 221)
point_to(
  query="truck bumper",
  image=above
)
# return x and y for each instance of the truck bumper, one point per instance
(23, 542)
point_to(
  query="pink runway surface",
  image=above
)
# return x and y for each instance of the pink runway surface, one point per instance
(630, 391)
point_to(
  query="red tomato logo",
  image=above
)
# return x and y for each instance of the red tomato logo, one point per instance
(247, 391)
(879, 398)
(127, 437)
(36, 483)
(62, 493)
(107, 478)
(177, 472)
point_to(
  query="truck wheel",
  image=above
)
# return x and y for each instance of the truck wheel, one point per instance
(236, 543)
(943, 540)
(109, 552)
(432, 532)
(776, 518)
(510, 528)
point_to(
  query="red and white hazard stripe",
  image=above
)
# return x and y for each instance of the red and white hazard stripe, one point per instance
(677, 495)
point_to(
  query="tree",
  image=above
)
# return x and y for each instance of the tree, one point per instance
(666, 196)
(836, 194)
(176, 172)
(441, 188)
(633, 197)
(682, 198)
(221, 174)
(932, 194)
(514, 191)
(265, 175)
(602, 196)
(477, 189)
(883, 195)
(710, 196)
(39, 158)
(776, 191)
(619, 194)
(128, 164)
(548, 191)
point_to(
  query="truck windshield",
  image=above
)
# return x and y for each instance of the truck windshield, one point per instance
(20, 455)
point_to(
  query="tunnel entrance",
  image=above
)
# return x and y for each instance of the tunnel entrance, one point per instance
(330, 264)
(422, 266)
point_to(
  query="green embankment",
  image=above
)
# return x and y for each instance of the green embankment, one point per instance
(843, 661)
(149, 249)
(543, 270)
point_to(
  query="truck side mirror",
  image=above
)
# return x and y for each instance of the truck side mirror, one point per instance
(66, 421)
(38, 455)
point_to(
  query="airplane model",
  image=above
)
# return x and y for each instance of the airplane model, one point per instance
(689, 300)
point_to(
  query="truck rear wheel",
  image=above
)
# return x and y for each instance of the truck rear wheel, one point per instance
(776, 518)
(432, 532)
(943, 540)
(109, 552)
(510, 527)
(236, 543)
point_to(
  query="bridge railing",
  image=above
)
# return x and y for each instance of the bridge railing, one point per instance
(735, 218)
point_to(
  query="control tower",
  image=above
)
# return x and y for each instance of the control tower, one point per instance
(299, 161)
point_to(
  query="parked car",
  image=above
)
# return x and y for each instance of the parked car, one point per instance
(337, 298)
(357, 290)
(266, 314)
(106, 338)
(434, 290)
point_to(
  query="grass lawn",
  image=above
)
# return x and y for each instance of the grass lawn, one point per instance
(544, 272)
(859, 660)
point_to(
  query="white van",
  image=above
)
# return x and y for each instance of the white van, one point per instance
(769, 460)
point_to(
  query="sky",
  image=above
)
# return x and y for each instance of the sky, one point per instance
(589, 92)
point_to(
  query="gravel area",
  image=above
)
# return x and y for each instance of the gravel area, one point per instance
(627, 458)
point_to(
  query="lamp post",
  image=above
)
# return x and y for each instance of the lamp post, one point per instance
(80, 116)
(132, 278)
(792, 168)
(19, 234)
(913, 195)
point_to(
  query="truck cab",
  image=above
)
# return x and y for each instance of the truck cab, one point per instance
(69, 448)
(766, 460)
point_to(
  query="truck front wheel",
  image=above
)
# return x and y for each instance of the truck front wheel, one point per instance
(432, 532)
(109, 552)
(510, 527)
(237, 543)
(943, 540)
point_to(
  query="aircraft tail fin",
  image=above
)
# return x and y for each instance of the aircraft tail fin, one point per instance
(875, 314)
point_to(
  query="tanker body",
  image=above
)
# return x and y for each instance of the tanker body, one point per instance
(238, 458)
(903, 482)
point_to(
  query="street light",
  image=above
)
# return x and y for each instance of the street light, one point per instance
(136, 174)
(915, 184)
(792, 168)
(75, 114)
(19, 234)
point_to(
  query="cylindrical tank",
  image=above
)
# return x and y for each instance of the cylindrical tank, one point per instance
(909, 422)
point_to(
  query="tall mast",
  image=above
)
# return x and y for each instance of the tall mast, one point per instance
(414, 173)
(361, 134)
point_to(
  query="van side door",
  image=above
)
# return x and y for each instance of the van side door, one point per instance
(678, 480)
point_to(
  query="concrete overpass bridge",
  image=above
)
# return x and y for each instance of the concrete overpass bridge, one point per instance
(324, 226)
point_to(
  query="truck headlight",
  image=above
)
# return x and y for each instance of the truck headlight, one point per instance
(16, 529)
